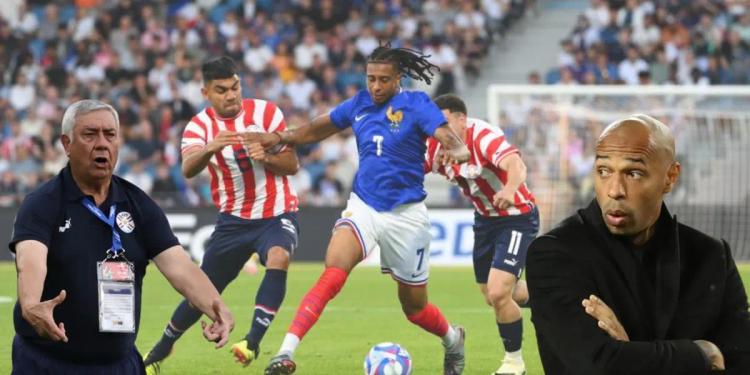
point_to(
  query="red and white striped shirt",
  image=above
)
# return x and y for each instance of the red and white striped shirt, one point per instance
(480, 178)
(239, 186)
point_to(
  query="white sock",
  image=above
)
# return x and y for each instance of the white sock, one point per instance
(515, 356)
(289, 345)
(450, 338)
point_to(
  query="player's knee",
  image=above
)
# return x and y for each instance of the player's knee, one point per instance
(485, 294)
(487, 300)
(500, 295)
(278, 258)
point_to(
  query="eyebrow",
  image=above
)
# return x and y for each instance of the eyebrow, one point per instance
(236, 82)
(632, 160)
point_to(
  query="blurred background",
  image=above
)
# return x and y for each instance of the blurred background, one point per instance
(660, 57)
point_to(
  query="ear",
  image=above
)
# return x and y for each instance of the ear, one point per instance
(204, 91)
(672, 174)
(66, 141)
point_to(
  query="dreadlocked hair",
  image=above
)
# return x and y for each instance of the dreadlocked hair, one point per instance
(406, 60)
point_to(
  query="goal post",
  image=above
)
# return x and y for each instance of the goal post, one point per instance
(555, 127)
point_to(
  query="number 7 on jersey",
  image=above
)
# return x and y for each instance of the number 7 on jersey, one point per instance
(378, 139)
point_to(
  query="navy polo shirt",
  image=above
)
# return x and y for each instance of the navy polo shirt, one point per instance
(54, 215)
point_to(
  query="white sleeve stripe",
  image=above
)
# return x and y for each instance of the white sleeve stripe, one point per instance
(260, 108)
(276, 121)
(203, 116)
(195, 128)
(484, 144)
(190, 147)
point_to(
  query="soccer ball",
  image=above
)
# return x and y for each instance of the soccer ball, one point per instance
(388, 359)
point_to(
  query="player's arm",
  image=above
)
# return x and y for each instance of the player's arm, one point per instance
(317, 130)
(283, 163)
(559, 284)
(608, 321)
(31, 266)
(194, 285)
(455, 149)
(733, 327)
(516, 172)
(195, 159)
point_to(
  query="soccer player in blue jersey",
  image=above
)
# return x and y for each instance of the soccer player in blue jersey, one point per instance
(386, 206)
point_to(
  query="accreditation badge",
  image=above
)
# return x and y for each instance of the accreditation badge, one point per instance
(116, 286)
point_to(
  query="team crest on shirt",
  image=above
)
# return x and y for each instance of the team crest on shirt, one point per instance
(395, 118)
(65, 227)
(125, 222)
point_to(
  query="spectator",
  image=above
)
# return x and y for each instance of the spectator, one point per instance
(300, 90)
(327, 189)
(21, 94)
(629, 69)
(138, 176)
(366, 42)
(305, 52)
(147, 53)
(598, 14)
(164, 188)
(257, 55)
(9, 196)
(648, 35)
(444, 56)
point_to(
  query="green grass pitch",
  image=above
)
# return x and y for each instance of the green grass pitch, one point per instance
(365, 313)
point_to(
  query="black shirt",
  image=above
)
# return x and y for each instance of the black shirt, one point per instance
(54, 215)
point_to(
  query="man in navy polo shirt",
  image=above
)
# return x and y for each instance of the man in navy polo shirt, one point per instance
(82, 242)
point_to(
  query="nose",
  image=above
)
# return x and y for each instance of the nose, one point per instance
(102, 142)
(616, 187)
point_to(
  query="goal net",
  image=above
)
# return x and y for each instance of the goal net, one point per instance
(555, 127)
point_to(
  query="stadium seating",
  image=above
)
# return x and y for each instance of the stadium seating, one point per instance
(640, 42)
(144, 57)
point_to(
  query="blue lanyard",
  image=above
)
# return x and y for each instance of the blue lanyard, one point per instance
(116, 242)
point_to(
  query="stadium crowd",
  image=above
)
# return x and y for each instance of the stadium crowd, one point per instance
(681, 42)
(144, 57)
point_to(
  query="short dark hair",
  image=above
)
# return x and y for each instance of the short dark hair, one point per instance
(407, 61)
(218, 68)
(451, 102)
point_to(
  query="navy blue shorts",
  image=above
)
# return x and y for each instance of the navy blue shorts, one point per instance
(29, 360)
(501, 243)
(235, 239)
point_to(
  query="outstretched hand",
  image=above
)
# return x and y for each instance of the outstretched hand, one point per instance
(606, 318)
(223, 138)
(223, 324)
(40, 317)
(266, 140)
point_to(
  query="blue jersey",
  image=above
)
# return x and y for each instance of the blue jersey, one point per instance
(391, 143)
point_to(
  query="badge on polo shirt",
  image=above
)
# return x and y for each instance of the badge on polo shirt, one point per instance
(116, 284)
(125, 222)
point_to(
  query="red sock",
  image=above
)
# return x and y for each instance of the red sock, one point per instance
(328, 286)
(431, 320)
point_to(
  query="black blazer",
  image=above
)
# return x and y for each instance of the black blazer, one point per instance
(698, 294)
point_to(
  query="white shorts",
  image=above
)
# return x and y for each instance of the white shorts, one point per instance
(403, 236)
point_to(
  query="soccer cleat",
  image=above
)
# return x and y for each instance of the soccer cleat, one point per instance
(511, 367)
(244, 354)
(281, 364)
(153, 361)
(455, 360)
